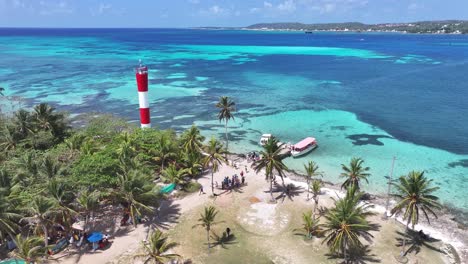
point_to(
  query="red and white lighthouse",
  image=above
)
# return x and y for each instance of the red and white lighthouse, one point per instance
(142, 82)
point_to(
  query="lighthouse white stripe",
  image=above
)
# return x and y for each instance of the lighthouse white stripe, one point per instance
(143, 99)
(145, 125)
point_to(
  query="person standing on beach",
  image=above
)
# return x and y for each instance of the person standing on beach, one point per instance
(201, 190)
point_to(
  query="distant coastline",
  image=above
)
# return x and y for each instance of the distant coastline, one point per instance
(424, 27)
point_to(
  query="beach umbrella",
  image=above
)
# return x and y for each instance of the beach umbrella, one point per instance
(95, 237)
(78, 225)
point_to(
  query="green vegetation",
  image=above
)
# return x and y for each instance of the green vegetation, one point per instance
(354, 173)
(311, 169)
(52, 174)
(226, 108)
(156, 250)
(207, 220)
(414, 192)
(310, 227)
(213, 158)
(346, 223)
(439, 27)
(272, 161)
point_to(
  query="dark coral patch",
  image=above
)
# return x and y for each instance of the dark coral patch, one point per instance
(366, 139)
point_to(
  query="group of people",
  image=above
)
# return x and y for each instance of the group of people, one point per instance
(253, 156)
(233, 182)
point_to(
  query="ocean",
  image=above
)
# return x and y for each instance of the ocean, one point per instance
(369, 95)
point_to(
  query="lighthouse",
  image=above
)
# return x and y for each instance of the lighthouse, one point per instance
(142, 83)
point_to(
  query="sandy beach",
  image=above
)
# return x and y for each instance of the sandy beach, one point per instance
(256, 216)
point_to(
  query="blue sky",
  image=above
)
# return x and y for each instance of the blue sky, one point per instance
(188, 13)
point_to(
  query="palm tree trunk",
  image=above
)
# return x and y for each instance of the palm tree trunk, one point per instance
(316, 204)
(162, 163)
(132, 215)
(208, 238)
(344, 253)
(308, 189)
(271, 189)
(46, 235)
(227, 138)
(212, 184)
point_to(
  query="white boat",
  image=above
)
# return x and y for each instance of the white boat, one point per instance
(264, 139)
(303, 147)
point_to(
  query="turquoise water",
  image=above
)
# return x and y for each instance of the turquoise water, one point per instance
(373, 96)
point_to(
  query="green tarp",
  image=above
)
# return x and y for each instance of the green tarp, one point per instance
(168, 188)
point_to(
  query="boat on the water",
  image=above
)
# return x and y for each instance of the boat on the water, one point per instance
(264, 139)
(303, 147)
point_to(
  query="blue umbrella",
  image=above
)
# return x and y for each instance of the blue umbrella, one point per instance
(95, 237)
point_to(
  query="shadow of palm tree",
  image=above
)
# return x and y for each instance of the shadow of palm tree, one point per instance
(168, 213)
(415, 241)
(361, 255)
(223, 240)
(290, 191)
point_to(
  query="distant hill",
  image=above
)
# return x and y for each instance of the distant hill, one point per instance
(423, 27)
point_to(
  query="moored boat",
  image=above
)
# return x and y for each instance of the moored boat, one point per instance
(303, 147)
(264, 139)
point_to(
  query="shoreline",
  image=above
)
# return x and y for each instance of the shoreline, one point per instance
(444, 228)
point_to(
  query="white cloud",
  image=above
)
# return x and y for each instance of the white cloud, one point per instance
(267, 4)
(414, 6)
(106, 9)
(55, 7)
(215, 10)
(254, 10)
(287, 6)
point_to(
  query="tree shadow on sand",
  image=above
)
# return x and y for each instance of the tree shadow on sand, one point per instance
(286, 191)
(416, 240)
(360, 255)
(168, 214)
(223, 240)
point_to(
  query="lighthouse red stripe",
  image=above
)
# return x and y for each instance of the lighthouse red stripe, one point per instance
(142, 81)
(145, 116)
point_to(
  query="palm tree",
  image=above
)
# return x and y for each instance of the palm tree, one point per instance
(41, 210)
(346, 223)
(272, 161)
(207, 220)
(310, 225)
(192, 162)
(156, 249)
(50, 168)
(22, 122)
(44, 117)
(191, 140)
(214, 158)
(74, 143)
(29, 249)
(165, 149)
(87, 202)
(62, 197)
(226, 108)
(311, 169)
(172, 175)
(354, 173)
(415, 194)
(9, 139)
(138, 192)
(126, 148)
(27, 170)
(316, 190)
(8, 217)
